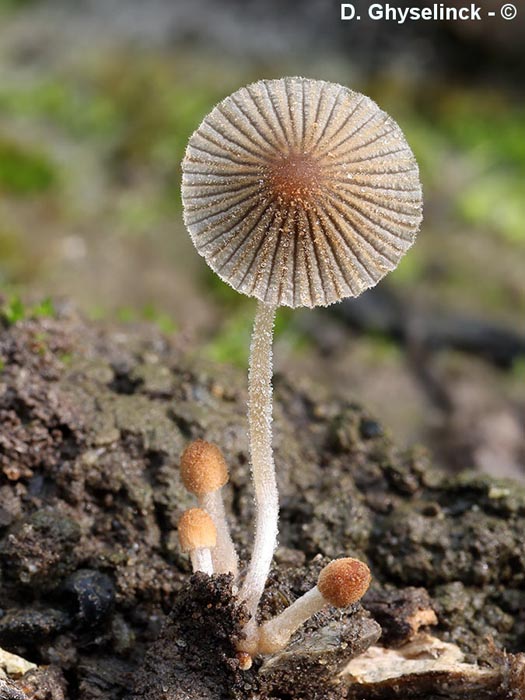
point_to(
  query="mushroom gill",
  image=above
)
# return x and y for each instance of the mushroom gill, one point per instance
(300, 192)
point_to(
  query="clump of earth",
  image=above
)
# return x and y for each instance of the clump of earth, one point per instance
(97, 601)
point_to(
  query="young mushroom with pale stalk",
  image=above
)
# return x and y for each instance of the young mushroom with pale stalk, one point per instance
(341, 583)
(297, 192)
(204, 472)
(197, 537)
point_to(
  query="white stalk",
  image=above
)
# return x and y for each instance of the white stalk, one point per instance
(262, 466)
(201, 560)
(275, 634)
(224, 555)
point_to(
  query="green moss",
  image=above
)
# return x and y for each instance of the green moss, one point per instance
(160, 318)
(141, 214)
(127, 314)
(384, 349)
(485, 124)
(14, 310)
(24, 172)
(44, 309)
(410, 270)
(66, 358)
(97, 312)
(429, 147)
(8, 5)
(76, 108)
(156, 105)
(495, 202)
(231, 344)
(518, 369)
(41, 342)
(220, 291)
(141, 109)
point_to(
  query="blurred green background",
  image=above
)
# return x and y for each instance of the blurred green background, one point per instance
(97, 101)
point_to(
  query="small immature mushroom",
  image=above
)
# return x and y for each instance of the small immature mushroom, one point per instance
(340, 583)
(204, 472)
(245, 660)
(297, 192)
(197, 536)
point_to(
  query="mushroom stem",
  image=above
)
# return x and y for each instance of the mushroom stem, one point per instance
(201, 560)
(262, 465)
(341, 583)
(275, 634)
(224, 555)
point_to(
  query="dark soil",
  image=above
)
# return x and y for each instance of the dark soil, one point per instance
(94, 590)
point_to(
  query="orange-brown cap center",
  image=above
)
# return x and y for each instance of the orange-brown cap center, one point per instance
(293, 177)
(203, 468)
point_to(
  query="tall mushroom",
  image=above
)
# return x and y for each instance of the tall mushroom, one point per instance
(297, 192)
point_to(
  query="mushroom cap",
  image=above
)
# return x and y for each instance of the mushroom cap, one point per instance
(203, 468)
(196, 530)
(300, 192)
(344, 581)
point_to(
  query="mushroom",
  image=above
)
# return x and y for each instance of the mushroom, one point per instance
(341, 583)
(204, 472)
(197, 536)
(297, 192)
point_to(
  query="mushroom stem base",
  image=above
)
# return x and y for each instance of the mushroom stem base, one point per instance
(275, 634)
(224, 555)
(201, 560)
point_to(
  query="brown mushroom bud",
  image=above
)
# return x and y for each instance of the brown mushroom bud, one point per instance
(197, 536)
(204, 472)
(203, 468)
(344, 581)
(340, 583)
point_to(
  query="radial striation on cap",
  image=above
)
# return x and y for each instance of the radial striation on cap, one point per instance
(344, 581)
(196, 529)
(203, 468)
(300, 192)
